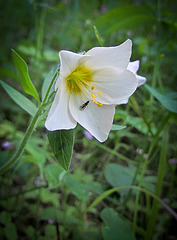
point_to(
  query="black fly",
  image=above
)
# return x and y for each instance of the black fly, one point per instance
(83, 106)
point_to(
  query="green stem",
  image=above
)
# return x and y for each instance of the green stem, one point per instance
(51, 83)
(110, 191)
(112, 151)
(161, 172)
(29, 131)
(98, 36)
(20, 150)
(21, 193)
(40, 21)
(153, 143)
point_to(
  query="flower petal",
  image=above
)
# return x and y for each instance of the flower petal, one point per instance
(97, 120)
(125, 101)
(59, 116)
(141, 80)
(118, 56)
(133, 67)
(115, 86)
(68, 62)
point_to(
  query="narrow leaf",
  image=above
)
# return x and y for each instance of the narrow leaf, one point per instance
(168, 102)
(23, 76)
(62, 142)
(117, 127)
(20, 99)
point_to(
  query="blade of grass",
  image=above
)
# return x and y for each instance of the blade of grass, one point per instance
(98, 36)
(153, 143)
(110, 191)
(112, 151)
(160, 176)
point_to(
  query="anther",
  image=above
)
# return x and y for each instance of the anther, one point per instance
(95, 101)
(93, 95)
(99, 104)
(93, 87)
(100, 92)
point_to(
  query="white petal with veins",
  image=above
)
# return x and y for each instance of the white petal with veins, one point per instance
(133, 67)
(59, 116)
(117, 86)
(118, 56)
(97, 120)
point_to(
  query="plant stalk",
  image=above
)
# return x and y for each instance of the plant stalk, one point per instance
(29, 131)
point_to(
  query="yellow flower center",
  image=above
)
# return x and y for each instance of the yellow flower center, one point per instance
(78, 79)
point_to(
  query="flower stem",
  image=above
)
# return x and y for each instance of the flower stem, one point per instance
(112, 190)
(20, 150)
(29, 131)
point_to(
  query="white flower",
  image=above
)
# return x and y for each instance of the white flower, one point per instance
(89, 86)
(133, 67)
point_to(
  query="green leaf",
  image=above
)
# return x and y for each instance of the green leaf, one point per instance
(50, 232)
(49, 213)
(117, 127)
(68, 216)
(124, 17)
(77, 188)
(116, 228)
(30, 231)
(95, 187)
(62, 143)
(54, 174)
(47, 196)
(168, 101)
(139, 124)
(119, 176)
(10, 231)
(23, 76)
(20, 99)
(5, 217)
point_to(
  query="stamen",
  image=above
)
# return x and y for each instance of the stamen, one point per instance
(99, 104)
(95, 101)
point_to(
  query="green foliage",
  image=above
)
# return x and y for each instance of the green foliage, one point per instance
(120, 176)
(115, 228)
(62, 142)
(125, 17)
(117, 127)
(23, 76)
(168, 101)
(78, 189)
(20, 99)
(54, 175)
(10, 231)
